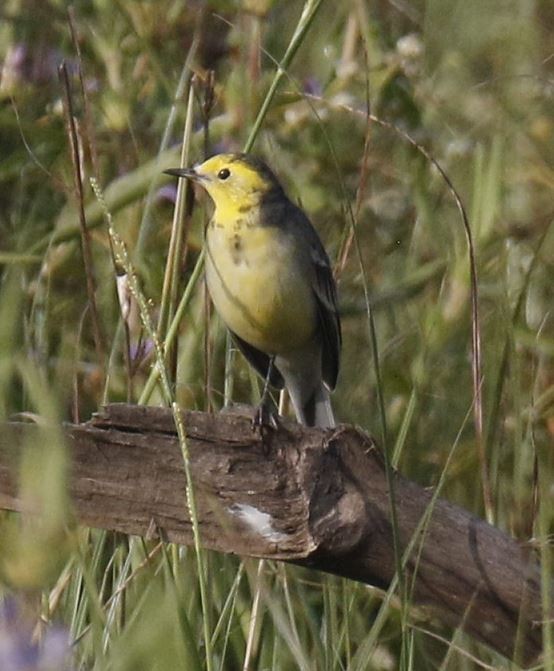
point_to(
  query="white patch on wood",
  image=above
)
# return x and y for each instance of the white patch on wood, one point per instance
(259, 522)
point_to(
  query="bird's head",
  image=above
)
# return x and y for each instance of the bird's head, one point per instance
(233, 181)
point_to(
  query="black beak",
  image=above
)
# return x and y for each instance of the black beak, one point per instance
(189, 173)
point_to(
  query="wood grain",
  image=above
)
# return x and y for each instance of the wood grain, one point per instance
(314, 497)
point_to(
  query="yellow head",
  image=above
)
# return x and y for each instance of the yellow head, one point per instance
(235, 182)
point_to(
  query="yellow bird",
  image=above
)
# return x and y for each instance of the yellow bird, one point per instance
(271, 282)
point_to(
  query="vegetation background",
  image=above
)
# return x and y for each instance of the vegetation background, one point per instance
(472, 83)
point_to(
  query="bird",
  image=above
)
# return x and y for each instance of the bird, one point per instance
(271, 282)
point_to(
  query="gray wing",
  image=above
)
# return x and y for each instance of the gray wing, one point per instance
(328, 315)
(325, 290)
(258, 360)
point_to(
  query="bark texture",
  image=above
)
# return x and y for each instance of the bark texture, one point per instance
(313, 497)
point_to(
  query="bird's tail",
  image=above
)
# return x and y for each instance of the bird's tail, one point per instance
(317, 410)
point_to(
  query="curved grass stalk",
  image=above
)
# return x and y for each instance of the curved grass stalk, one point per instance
(475, 320)
(415, 545)
(184, 80)
(309, 13)
(171, 275)
(174, 326)
(369, 309)
(122, 258)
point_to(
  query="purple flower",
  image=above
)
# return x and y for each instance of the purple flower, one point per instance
(18, 649)
(167, 192)
(55, 650)
(312, 86)
(141, 349)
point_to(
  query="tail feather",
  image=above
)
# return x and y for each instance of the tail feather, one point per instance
(317, 410)
(301, 372)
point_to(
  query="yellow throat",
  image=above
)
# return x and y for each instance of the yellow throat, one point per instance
(252, 278)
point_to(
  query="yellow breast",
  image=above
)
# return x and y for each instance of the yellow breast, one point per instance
(258, 286)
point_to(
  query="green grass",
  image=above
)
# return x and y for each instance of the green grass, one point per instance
(471, 83)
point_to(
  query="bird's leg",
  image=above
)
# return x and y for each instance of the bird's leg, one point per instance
(264, 415)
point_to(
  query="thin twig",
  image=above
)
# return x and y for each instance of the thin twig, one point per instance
(172, 275)
(206, 103)
(88, 123)
(85, 235)
(207, 347)
(253, 626)
(493, 415)
(122, 257)
(309, 13)
(174, 326)
(184, 81)
(475, 320)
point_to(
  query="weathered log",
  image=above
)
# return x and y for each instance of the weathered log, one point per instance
(315, 497)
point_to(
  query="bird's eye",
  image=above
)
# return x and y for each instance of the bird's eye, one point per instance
(224, 173)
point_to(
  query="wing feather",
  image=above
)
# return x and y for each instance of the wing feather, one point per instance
(329, 320)
(259, 361)
(325, 291)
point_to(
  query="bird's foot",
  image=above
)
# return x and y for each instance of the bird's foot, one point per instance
(264, 418)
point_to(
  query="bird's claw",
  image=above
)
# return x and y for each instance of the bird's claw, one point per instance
(264, 417)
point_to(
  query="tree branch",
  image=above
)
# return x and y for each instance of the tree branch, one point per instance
(313, 497)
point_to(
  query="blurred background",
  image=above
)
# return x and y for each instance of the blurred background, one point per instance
(470, 83)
